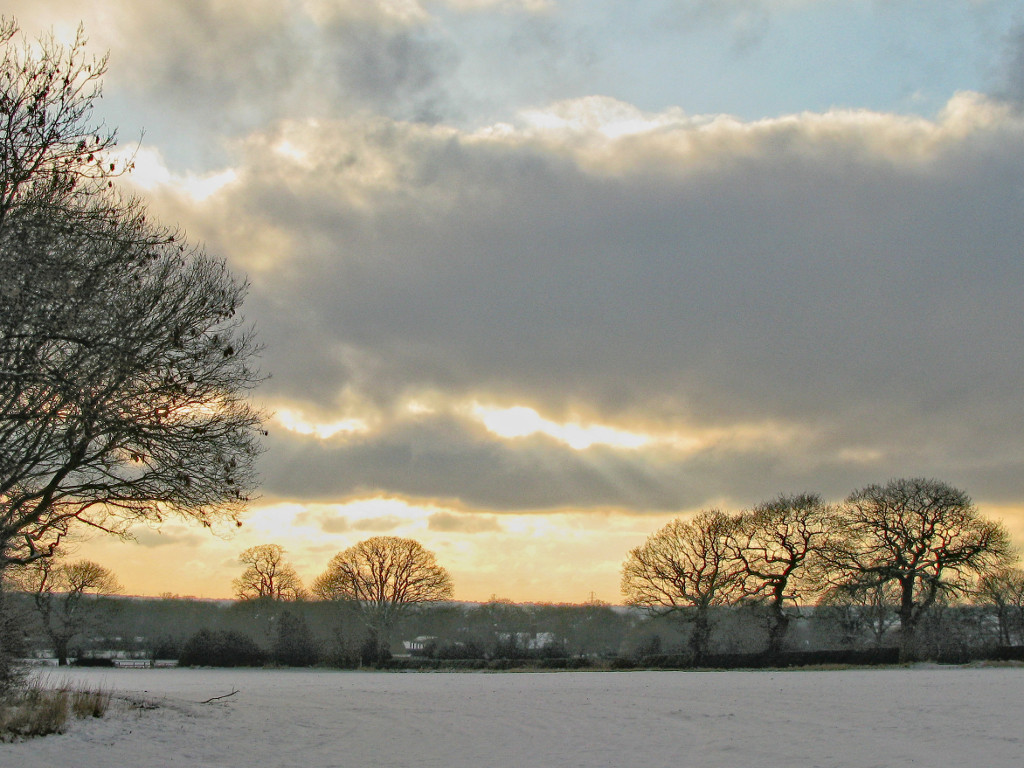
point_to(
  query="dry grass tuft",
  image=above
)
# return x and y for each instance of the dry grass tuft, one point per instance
(39, 709)
(33, 711)
(90, 703)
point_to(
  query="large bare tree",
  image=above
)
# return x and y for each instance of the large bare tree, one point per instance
(925, 536)
(687, 567)
(386, 577)
(124, 365)
(267, 575)
(778, 543)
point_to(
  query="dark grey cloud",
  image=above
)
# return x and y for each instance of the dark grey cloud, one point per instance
(328, 523)
(452, 462)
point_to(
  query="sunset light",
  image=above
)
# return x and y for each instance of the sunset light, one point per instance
(511, 382)
(296, 422)
(531, 278)
(520, 421)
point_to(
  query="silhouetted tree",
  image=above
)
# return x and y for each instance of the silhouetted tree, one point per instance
(686, 568)
(66, 597)
(1004, 590)
(386, 577)
(123, 363)
(925, 536)
(267, 575)
(777, 542)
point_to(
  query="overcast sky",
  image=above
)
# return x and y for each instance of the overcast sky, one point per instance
(536, 276)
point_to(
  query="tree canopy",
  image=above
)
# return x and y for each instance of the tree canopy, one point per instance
(124, 364)
(385, 576)
(925, 536)
(686, 565)
(267, 575)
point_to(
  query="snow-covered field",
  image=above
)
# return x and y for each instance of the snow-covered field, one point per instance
(922, 716)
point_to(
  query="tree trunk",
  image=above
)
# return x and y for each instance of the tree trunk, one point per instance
(700, 636)
(908, 642)
(908, 622)
(778, 630)
(60, 647)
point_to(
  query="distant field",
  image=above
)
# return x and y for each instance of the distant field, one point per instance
(922, 716)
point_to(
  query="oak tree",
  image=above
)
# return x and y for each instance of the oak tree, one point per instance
(688, 567)
(267, 575)
(386, 577)
(923, 535)
(777, 543)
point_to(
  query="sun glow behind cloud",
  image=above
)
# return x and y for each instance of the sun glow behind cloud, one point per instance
(294, 421)
(148, 171)
(520, 421)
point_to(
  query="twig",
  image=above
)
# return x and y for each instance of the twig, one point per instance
(214, 698)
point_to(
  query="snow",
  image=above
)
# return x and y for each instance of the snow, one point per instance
(918, 716)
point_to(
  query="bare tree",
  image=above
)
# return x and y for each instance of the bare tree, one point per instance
(267, 575)
(1004, 590)
(687, 568)
(66, 595)
(925, 536)
(777, 542)
(386, 577)
(124, 366)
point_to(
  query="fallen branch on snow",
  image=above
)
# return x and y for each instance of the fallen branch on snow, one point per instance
(215, 698)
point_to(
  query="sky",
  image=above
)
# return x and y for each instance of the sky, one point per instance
(535, 277)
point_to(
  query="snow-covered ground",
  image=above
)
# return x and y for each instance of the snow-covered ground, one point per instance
(922, 716)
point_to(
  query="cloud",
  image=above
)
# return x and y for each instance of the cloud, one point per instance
(196, 76)
(847, 279)
(447, 522)
(854, 275)
(533, 6)
(152, 538)
(378, 524)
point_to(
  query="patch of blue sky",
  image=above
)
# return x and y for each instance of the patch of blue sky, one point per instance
(747, 58)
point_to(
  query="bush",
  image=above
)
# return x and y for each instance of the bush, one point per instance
(295, 646)
(36, 710)
(207, 648)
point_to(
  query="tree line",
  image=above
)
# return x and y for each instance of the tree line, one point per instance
(911, 559)
(908, 545)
